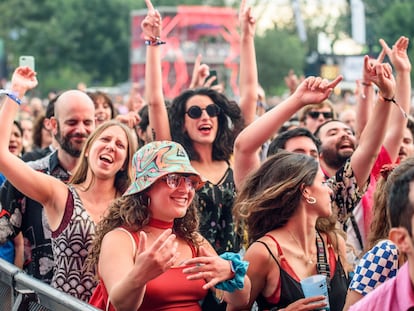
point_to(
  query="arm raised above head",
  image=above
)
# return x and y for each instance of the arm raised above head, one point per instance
(250, 140)
(402, 65)
(157, 111)
(248, 67)
(364, 156)
(38, 186)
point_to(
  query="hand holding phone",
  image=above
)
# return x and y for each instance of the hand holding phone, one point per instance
(27, 61)
(213, 73)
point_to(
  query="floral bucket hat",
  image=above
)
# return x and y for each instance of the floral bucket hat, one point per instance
(157, 159)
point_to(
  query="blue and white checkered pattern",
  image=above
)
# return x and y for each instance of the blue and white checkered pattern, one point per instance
(376, 266)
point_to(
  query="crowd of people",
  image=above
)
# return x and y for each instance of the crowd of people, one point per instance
(205, 202)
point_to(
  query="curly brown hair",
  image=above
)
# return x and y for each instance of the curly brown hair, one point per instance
(132, 213)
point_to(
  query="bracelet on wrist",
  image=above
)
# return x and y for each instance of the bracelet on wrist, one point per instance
(367, 84)
(392, 100)
(154, 41)
(12, 95)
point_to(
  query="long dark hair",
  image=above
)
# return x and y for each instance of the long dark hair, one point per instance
(230, 122)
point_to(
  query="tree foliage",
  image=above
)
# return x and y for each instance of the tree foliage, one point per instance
(70, 39)
(278, 51)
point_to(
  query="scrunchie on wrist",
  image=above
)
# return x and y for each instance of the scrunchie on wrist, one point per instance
(239, 267)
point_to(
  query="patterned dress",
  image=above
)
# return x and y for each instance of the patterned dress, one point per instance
(215, 203)
(71, 243)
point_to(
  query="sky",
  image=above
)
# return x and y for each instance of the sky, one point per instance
(267, 12)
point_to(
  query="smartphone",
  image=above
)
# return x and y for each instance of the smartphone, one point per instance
(27, 61)
(213, 73)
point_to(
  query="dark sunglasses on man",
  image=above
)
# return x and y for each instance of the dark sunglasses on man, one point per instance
(194, 112)
(315, 114)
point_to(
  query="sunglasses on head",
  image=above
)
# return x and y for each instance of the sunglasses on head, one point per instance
(194, 112)
(174, 180)
(315, 114)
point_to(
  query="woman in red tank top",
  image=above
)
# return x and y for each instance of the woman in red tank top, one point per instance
(149, 253)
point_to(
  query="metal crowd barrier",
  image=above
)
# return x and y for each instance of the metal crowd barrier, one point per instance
(20, 292)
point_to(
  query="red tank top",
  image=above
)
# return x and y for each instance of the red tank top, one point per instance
(172, 290)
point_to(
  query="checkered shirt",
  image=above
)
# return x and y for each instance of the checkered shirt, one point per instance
(379, 264)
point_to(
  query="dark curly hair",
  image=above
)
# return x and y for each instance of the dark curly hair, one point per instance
(230, 122)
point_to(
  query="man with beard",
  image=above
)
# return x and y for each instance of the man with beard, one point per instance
(73, 122)
(407, 144)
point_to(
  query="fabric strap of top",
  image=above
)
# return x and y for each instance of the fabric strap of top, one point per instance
(322, 265)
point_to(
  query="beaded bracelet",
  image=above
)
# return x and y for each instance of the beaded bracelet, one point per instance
(239, 268)
(12, 95)
(154, 42)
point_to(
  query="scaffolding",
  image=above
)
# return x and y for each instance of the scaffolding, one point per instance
(189, 31)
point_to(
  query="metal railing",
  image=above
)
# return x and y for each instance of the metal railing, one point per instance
(19, 291)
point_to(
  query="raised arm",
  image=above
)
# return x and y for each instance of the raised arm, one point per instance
(248, 68)
(250, 140)
(373, 135)
(399, 59)
(365, 94)
(38, 186)
(157, 111)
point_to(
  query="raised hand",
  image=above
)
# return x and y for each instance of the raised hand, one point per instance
(371, 62)
(131, 119)
(151, 25)
(200, 73)
(23, 79)
(315, 90)
(292, 81)
(157, 258)
(246, 20)
(381, 75)
(209, 267)
(398, 54)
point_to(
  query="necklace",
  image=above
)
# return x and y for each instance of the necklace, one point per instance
(308, 259)
(160, 224)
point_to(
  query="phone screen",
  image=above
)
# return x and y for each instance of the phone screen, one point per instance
(27, 61)
(213, 73)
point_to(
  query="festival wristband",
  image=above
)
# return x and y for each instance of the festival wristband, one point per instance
(12, 95)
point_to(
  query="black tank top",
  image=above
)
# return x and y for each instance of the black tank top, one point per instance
(292, 291)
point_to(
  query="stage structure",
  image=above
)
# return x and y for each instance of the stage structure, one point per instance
(189, 31)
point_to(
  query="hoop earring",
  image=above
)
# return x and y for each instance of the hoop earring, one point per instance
(311, 200)
(148, 202)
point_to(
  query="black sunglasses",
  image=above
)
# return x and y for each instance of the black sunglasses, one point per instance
(194, 112)
(315, 114)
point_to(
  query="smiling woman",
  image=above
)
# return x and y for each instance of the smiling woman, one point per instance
(158, 215)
